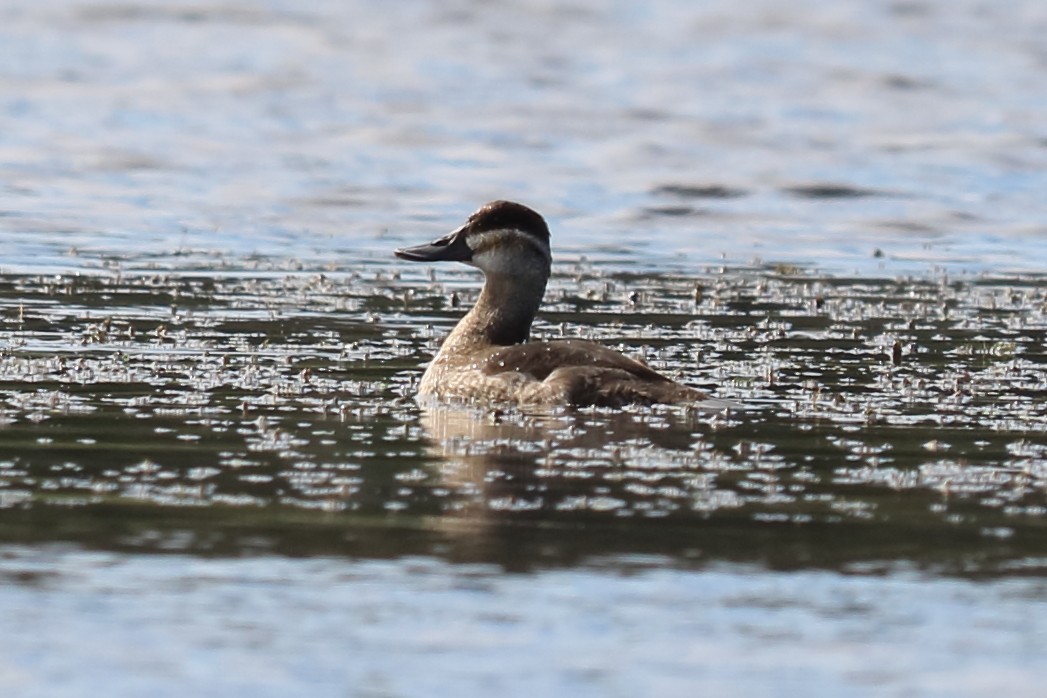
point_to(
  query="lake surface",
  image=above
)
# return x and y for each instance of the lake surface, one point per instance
(214, 479)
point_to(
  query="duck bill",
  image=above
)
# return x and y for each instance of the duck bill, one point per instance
(450, 248)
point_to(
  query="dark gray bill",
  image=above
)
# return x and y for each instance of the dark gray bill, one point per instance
(450, 248)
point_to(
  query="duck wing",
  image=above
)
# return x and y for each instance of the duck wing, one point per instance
(540, 359)
(609, 387)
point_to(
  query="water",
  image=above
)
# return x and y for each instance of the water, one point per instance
(214, 478)
(422, 627)
(330, 133)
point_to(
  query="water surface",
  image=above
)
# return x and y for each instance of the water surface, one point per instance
(417, 626)
(214, 478)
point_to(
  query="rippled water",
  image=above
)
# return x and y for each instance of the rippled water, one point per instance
(214, 478)
(798, 133)
(870, 405)
(178, 625)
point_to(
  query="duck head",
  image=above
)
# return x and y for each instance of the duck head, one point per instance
(501, 237)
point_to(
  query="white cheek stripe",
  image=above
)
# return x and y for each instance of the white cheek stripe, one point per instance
(498, 255)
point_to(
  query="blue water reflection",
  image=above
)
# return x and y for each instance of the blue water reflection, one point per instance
(416, 627)
(257, 127)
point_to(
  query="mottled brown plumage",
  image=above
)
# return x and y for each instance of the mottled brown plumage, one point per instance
(487, 358)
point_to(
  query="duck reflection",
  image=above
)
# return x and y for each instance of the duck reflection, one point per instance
(568, 466)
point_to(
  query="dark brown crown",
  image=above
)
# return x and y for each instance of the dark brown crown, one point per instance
(508, 215)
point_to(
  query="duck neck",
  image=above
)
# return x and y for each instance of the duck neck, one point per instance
(503, 314)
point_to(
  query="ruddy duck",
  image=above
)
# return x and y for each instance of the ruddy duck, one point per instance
(487, 357)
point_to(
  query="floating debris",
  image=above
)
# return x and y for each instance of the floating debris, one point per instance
(294, 391)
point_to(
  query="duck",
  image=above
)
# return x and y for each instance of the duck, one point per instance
(488, 358)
